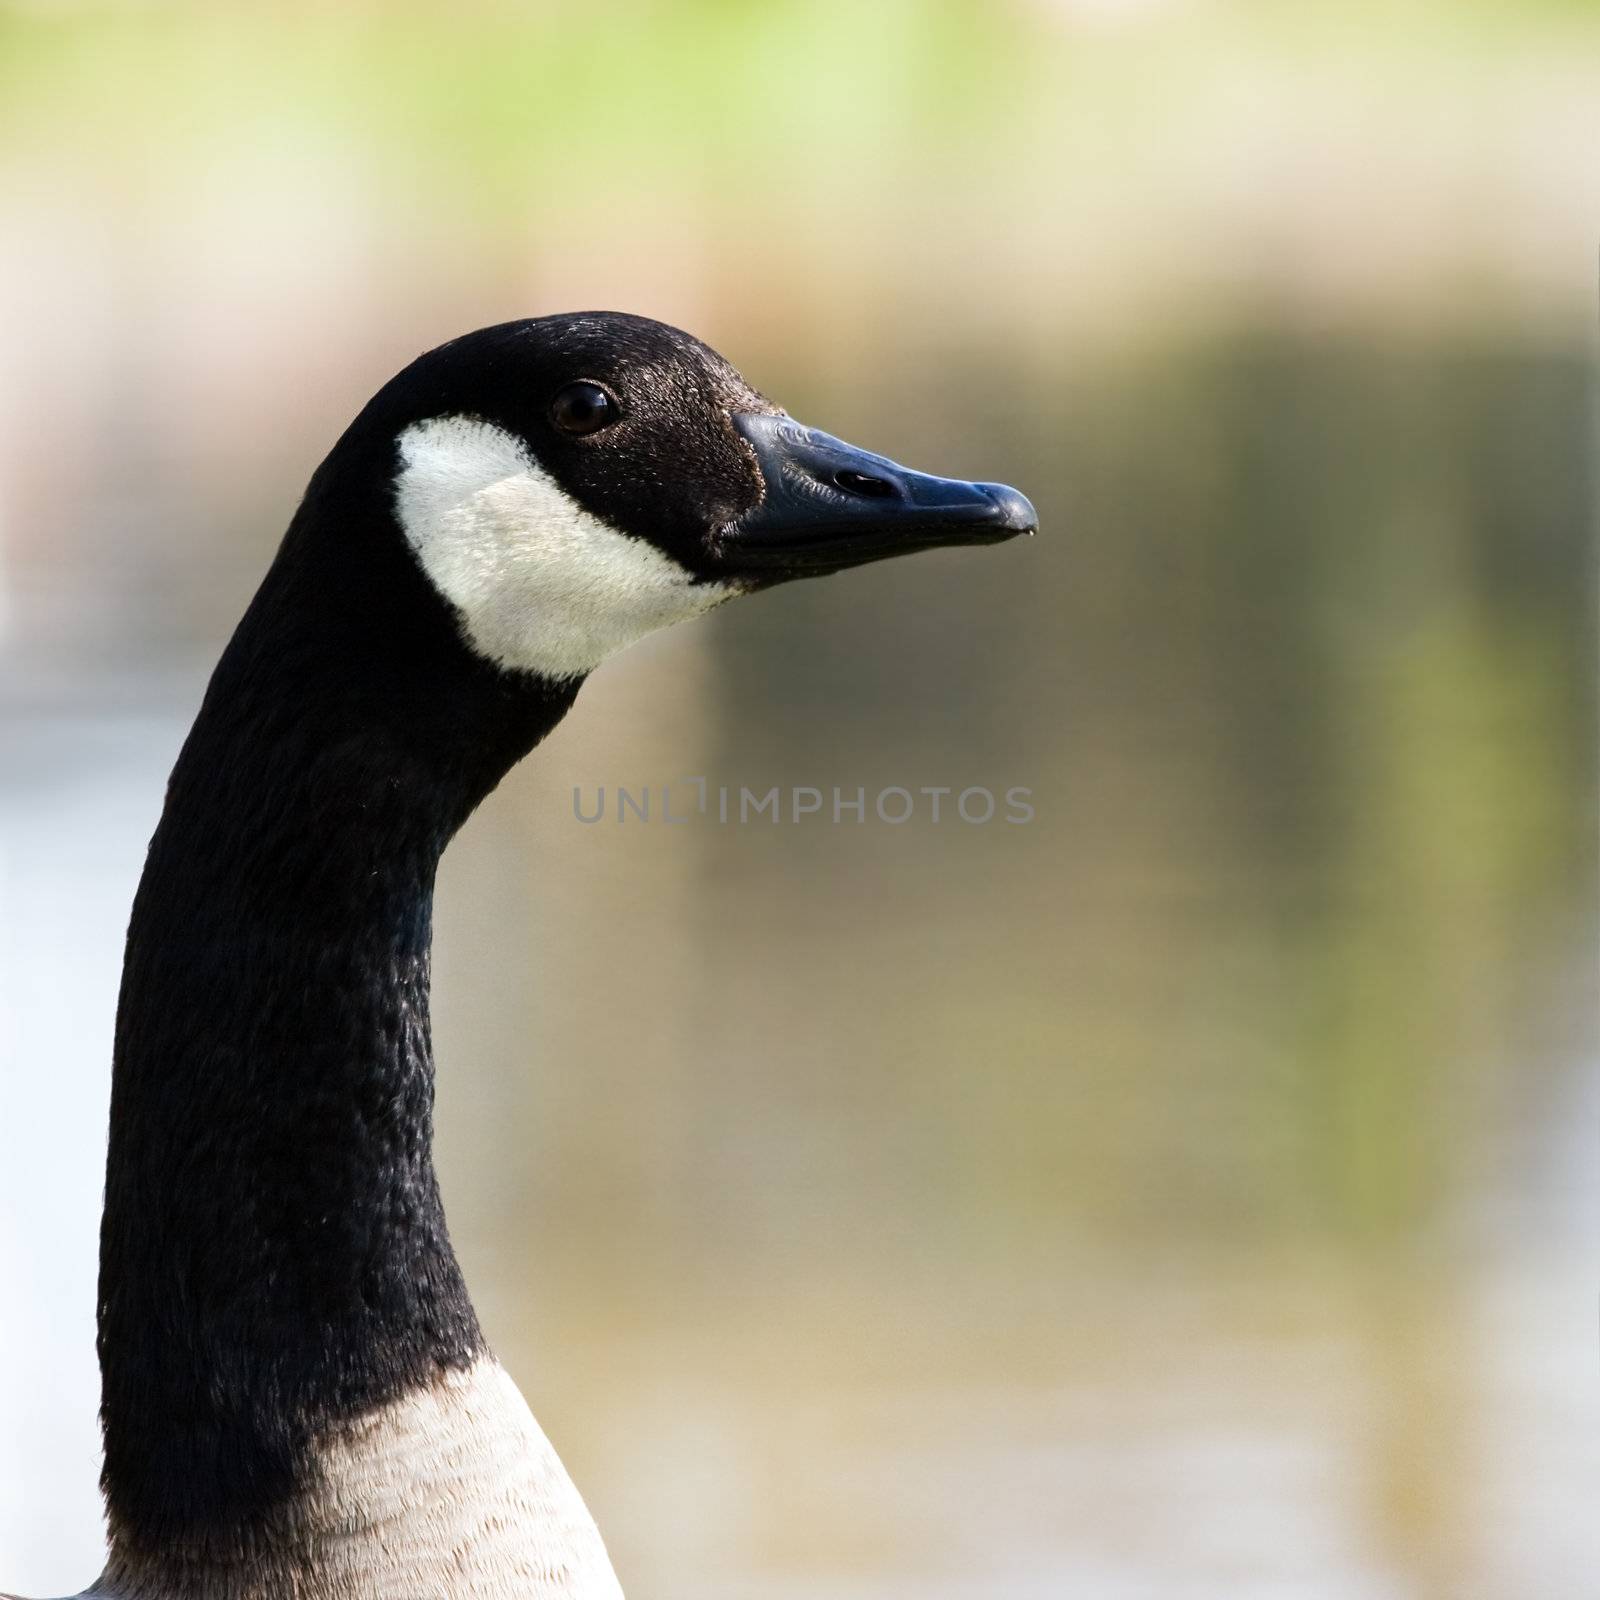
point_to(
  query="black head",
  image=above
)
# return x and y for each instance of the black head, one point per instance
(631, 418)
(571, 482)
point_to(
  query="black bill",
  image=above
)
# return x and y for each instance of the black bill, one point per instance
(829, 505)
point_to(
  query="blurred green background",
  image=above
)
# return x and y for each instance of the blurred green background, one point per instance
(1191, 1193)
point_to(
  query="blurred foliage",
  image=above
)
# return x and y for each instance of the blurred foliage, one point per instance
(1070, 166)
(1301, 675)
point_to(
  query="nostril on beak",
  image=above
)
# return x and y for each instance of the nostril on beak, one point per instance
(860, 483)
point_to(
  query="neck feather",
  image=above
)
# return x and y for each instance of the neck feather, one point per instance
(274, 1259)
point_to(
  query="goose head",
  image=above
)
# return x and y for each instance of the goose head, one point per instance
(570, 483)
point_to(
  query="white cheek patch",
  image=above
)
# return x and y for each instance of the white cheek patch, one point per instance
(541, 585)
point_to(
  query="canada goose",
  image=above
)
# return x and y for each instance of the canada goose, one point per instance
(296, 1395)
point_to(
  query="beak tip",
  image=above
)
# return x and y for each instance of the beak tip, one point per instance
(1015, 509)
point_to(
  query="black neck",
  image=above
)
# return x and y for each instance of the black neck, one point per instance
(274, 1254)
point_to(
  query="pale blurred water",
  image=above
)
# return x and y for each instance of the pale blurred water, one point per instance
(1215, 1421)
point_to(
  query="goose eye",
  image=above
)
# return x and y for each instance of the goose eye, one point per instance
(583, 407)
